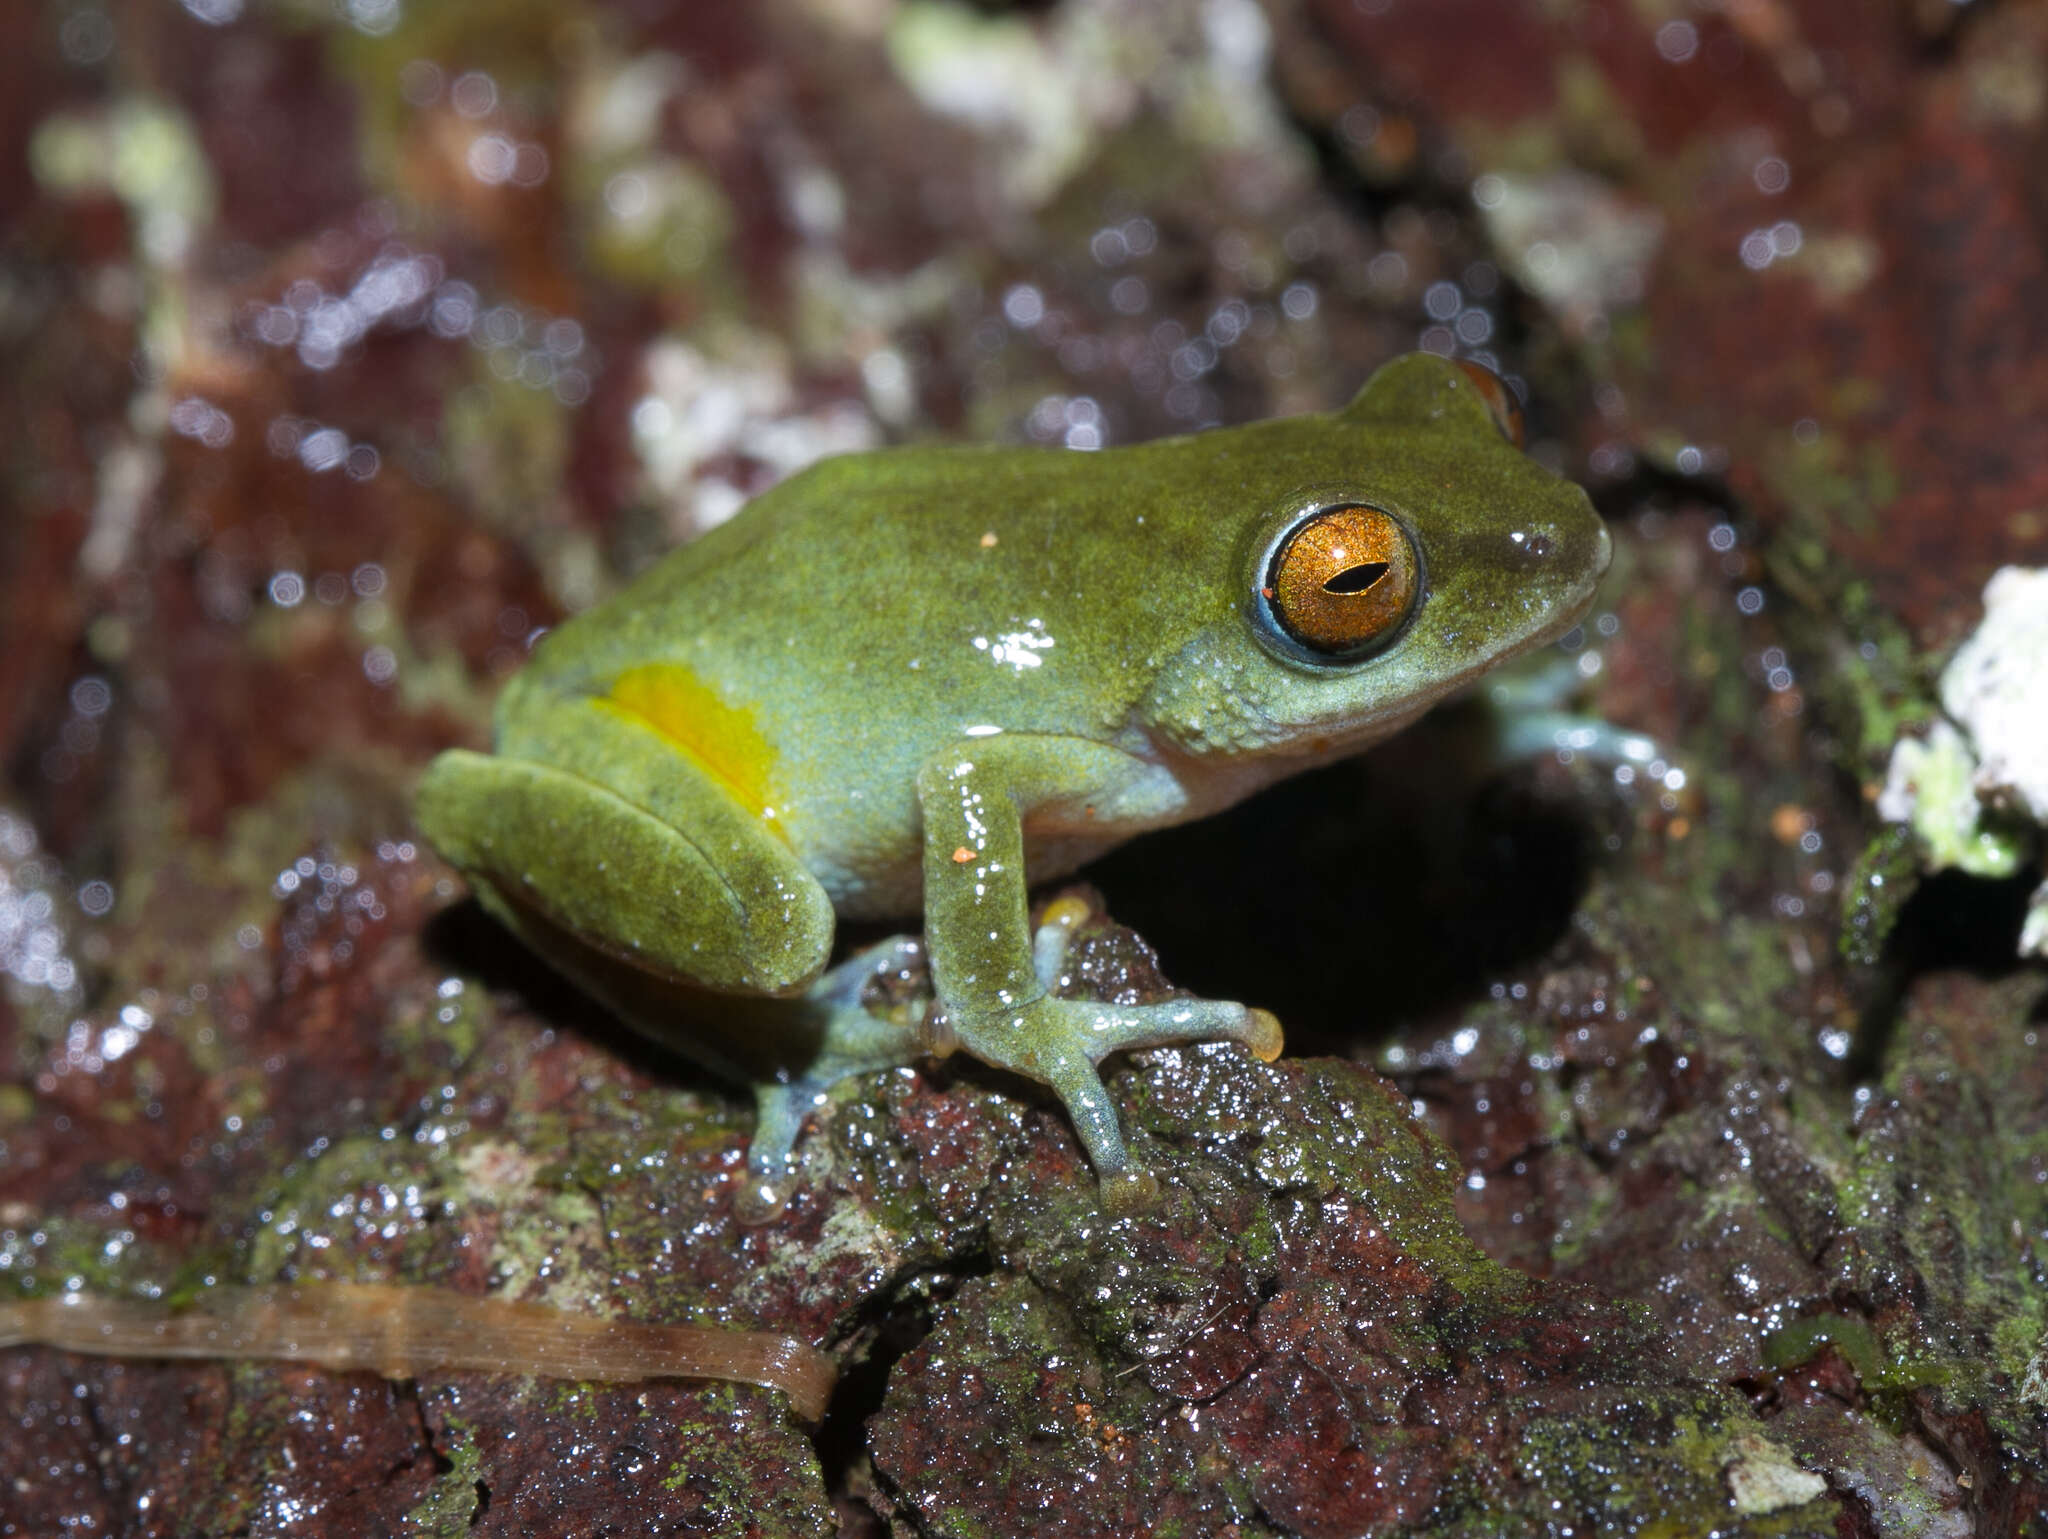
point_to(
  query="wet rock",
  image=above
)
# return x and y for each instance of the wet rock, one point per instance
(344, 353)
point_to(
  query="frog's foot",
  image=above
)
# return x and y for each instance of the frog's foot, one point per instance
(1055, 937)
(1116, 1028)
(1531, 734)
(854, 1038)
(1060, 1041)
(1532, 686)
(1530, 715)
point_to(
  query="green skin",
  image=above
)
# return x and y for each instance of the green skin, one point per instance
(942, 668)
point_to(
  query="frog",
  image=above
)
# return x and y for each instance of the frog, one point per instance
(922, 679)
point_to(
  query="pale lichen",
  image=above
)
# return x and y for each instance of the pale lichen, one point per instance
(1974, 789)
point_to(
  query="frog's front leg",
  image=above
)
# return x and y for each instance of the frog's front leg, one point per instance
(992, 999)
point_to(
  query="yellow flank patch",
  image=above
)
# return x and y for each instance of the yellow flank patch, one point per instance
(721, 739)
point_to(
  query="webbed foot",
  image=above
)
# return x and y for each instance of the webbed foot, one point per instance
(1531, 716)
(855, 1037)
(1061, 1041)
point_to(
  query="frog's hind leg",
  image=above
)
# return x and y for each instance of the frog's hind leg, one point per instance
(633, 853)
(851, 1030)
(661, 890)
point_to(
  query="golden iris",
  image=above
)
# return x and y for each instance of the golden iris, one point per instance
(1345, 579)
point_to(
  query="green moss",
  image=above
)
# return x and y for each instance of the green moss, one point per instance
(868, 1157)
(516, 42)
(146, 153)
(1524, 147)
(449, 1509)
(1599, 127)
(1880, 686)
(1825, 479)
(1661, 1464)
(1923, 1203)
(17, 1104)
(1035, 93)
(671, 227)
(1800, 1340)
(508, 445)
(323, 1205)
(2018, 1339)
(443, 1029)
(250, 1442)
(725, 1453)
(1954, 827)
(44, 1258)
(572, 1400)
(1006, 1353)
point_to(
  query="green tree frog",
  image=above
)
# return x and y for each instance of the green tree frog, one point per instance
(925, 675)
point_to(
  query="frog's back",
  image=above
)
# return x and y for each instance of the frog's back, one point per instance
(1030, 589)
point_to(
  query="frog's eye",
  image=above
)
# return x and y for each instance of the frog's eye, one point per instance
(1493, 390)
(1343, 580)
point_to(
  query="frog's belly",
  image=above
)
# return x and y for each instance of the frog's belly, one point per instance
(874, 869)
(894, 891)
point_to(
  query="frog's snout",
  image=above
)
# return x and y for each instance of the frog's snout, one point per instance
(1584, 553)
(1577, 546)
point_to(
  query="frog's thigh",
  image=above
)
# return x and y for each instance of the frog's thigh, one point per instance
(702, 892)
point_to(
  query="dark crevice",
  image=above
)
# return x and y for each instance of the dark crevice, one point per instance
(406, 1392)
(467, 939)
(1939, 42)
(1855, 1519)
(443, 1464)
(892, 1323)
(1953, 922)
(1648, 486)
(1430, 186)
(112, 1481)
